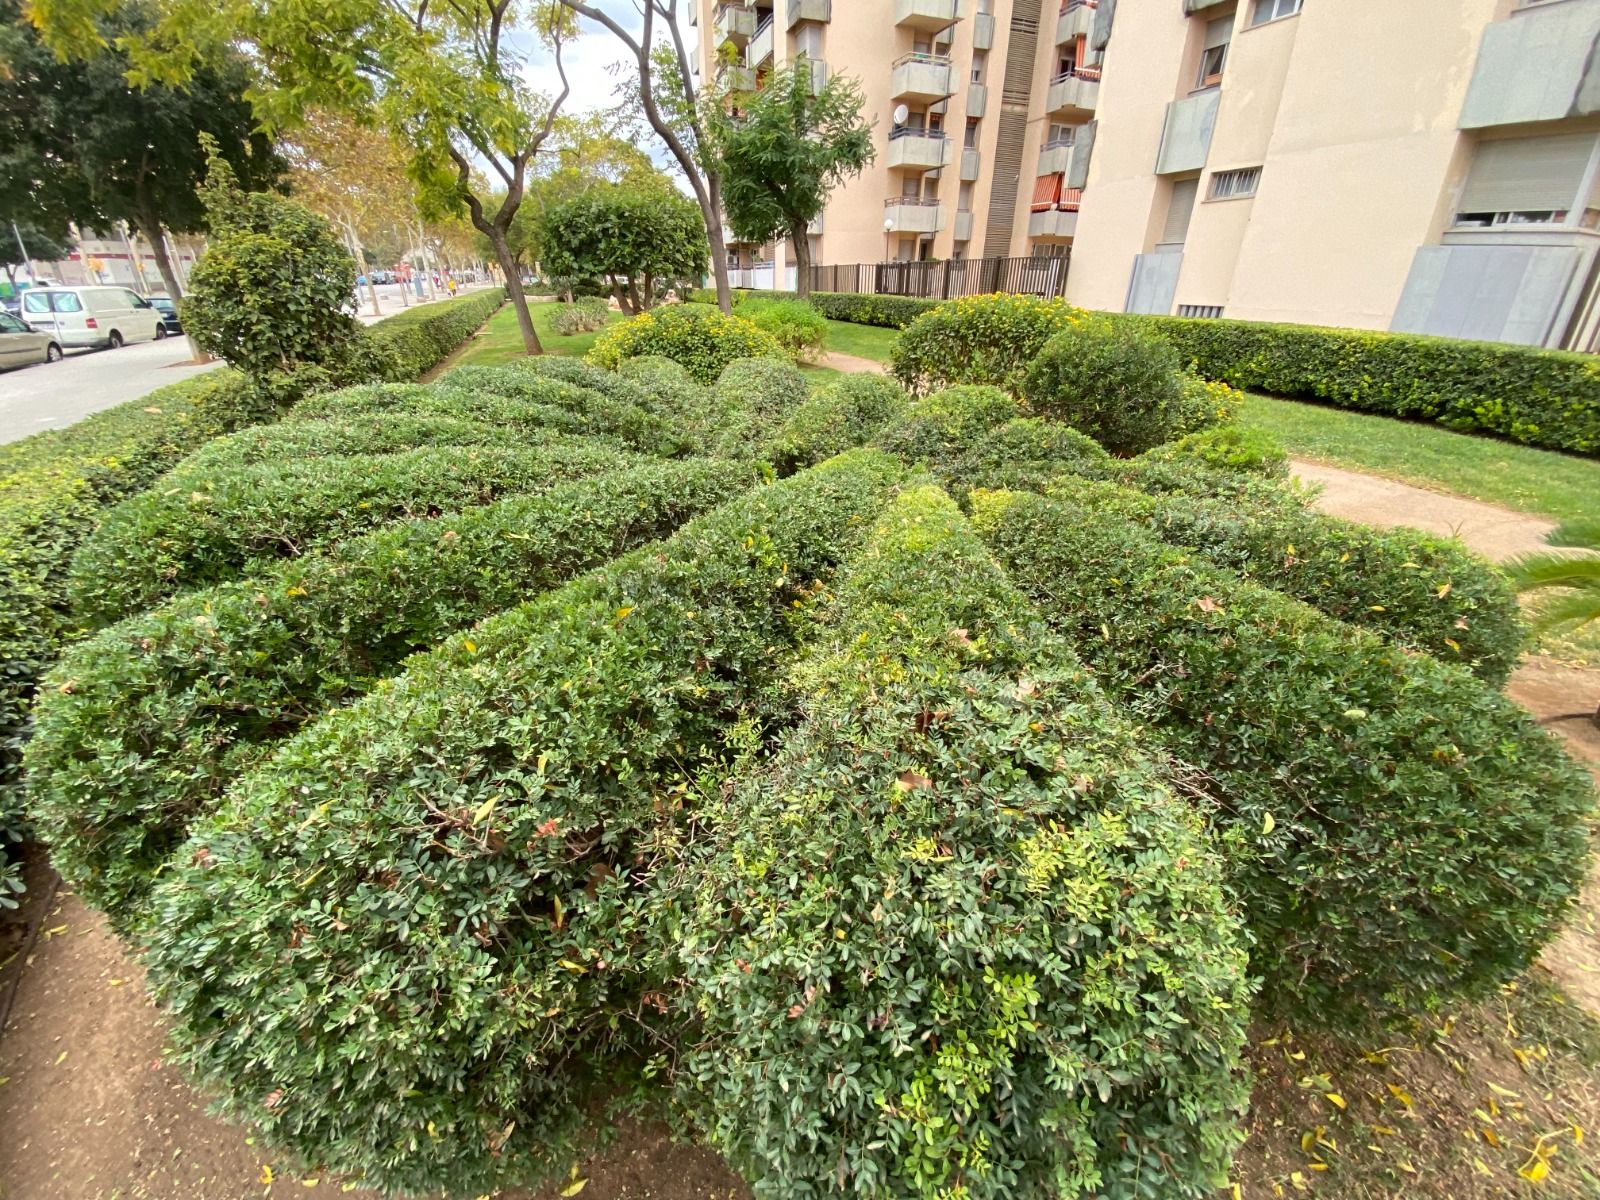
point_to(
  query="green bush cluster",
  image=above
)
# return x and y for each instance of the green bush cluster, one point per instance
(886, 312)
(1545, 398)
(141, 728)
(702, 340)
(839, 417)
(1398, 831)
(941, 427)
(979, 340)
(453, 871)
(1228, 448)
(798, 327)
(584, 315)
(1116, 383)
(199, 525)
(956, 937)
(55, 485)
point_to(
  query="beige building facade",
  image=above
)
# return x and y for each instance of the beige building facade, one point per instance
(1428, 167)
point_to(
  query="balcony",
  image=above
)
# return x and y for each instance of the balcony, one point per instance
(911, 214)
(819, 74)
(815, 228)
(977, 99)
(1190, 7)
(963, 232)
(1537, 65)
(928, 15)
(1186, 135)
(760, 50)
(1055, 158)
(971, 161)
(918, 149)
(809, 10)
(923, 78)
(1075, 91)
(735, 24)
(983, 31)
(1053, 223)
(733, 78)
(1076, 20)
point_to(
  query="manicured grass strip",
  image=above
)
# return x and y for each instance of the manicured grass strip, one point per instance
(862, 341)
(143, 726)
(1558, 485)
(501, 340)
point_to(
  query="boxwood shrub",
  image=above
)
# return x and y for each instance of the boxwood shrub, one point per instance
(702, 340)
(943, 426)
(202, 526)
(413, 945)
(1116, 383)
(839, 417)
(1423, 592)
(958, 938)
(54, 486)
(141, 727)
(1228, 448)
(1399, 832)
(978, 340)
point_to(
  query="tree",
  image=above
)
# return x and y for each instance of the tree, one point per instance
(669, 103)
(1573, 576)
(351, 174)
(445, 80)
(783, 150)
(103, 151)
(638, 241)
(273, 290)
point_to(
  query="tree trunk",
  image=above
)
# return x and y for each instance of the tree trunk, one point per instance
(633, 290)
(519, 300)
(802, 259)
(361, 266)
(150, 227)
(620, 295)
(649, 290)
(711, 210)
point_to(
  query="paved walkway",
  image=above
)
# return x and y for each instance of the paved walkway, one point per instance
(852, 365)
(1494, 532)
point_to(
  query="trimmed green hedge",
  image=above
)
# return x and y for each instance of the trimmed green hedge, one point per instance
(54, 486)
(1547, 398)
(1422, 592)
(702, 340)
(203, 525)
(424, 925)
(958, 937)
(1400, 832)
(886, 312)
(839, 417)
(140, 728)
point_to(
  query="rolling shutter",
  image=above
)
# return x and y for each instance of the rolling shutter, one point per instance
(1527, 174)
(1179, 209)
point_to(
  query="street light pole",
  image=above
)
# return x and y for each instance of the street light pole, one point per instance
(33, 271)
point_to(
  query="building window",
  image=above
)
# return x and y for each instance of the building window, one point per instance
(1215, 54)
(1272, 10)
(1234, 185)
(971, 142)
(1180, 206)
(1060, 135)
(1526, 181)
(1211, 311)
(980, 62)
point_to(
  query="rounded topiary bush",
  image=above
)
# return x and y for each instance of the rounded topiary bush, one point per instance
(701, 339)
(799, 328)
(770, 388)
(957, 937)
(979, 340)
(415, 943)
(839, 417)
(1228, 448)
(945, 425)
(1113, 381)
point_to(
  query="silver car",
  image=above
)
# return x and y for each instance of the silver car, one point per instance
(21, 346)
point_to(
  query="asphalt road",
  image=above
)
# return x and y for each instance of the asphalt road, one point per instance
(51, 395)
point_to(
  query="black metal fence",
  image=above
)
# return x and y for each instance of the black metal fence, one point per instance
(941, 280)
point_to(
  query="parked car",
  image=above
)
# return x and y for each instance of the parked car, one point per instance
(167, 309)
(21, 346)
(91, 316)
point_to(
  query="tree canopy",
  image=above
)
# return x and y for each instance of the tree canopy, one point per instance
(783, 150)
(639, 241)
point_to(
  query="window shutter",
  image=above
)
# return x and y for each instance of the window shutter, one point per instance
(1046, 191)
(1179, 209)
(1083, 148)
(1218, 31)
(1527, 174)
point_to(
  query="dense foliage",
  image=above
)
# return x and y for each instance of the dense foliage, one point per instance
(1112, 382)
(798, 327)
(584, 315)
(978, 339)
(54, 486)
(510, 754)
(702, 340)
(642, 242)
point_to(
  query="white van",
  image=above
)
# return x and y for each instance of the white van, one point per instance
(91, 316)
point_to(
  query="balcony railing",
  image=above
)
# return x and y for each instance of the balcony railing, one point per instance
(760, 43)
(918, 149)
(912, 214)
(1076, 20)
(735, 23)
(924, 77)
(926, 14)
(1055, 156)
(963, 230)
(1077, 89)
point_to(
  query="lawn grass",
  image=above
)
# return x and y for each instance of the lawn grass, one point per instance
(1557, 485)
(501, 342)
(862, 341)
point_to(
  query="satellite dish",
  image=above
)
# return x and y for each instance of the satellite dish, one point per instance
(901, 113)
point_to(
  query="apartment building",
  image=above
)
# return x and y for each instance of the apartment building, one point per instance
(1430, 167)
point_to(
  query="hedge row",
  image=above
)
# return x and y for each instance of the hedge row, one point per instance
(957, 938)
(410, 946)
(837, 418)
(1548, 398)
(54, 485)
(1422, 592)
(205, 525)
(1400, 832)
(142, 727)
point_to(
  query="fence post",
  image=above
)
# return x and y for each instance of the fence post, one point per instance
(944, 290)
